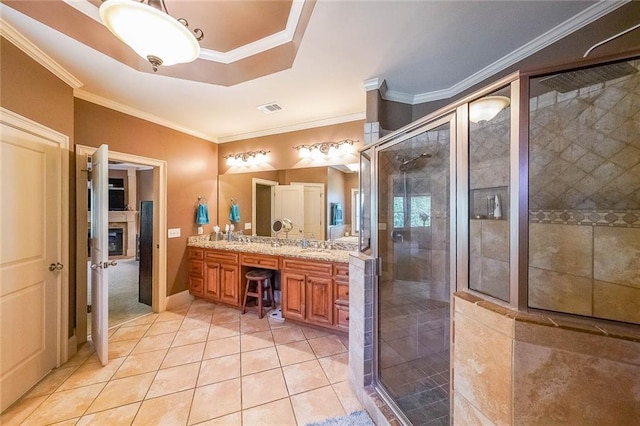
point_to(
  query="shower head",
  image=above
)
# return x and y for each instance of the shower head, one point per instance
(406, 165)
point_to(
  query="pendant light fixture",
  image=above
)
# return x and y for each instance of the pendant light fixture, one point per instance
(151, 32)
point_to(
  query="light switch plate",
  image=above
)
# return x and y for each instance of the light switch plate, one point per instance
(174, 232)
(247, 225)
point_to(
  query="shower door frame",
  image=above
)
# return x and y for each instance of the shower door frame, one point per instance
(451, 117)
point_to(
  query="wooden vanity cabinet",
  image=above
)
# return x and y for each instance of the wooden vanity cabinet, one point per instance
(196, 271)
(307, 291)
(341, 291)
(221, 277)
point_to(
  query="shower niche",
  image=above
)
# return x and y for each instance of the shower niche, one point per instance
(489, 203)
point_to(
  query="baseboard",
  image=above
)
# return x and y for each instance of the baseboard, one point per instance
(178, 299)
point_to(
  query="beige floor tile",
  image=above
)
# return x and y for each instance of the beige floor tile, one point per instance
(164, 327)
(64, 405)
(121, 348)
(327, 345)
(191, 323)
(167, 316)
(292, 353)
(252, 324)
(91, 373)
(84, 352)
(15, 414)
(259, 360)
(154, 343)
(233, 419)
(346, 396)
(222, 331)
(276, 413)
(51, 382)
(167, 410)
(312, 333)
(316, 405)
(219, 369)
(225, 317)
(187, 337)
(336, 367)
(140, 363)
(145, 319)
(304, 376)
(260, 340)
(222, 347)
(263, 387)
(122, 391)
(287, 335)
(174, 379)
(183, 355)
(126, 333)
(70, 422)
(215, 400)
(116, 416)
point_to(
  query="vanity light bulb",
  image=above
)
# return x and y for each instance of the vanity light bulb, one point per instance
(333, 152)
(346, 148)
(316, 154)
(304, 152)
(260, 158)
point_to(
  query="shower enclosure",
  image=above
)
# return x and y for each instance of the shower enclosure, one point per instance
(413, 242)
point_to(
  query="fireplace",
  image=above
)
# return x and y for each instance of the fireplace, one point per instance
(116, 247)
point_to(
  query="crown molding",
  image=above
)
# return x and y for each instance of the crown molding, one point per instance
(294, 127)
(587, 16)
(35, 53)
(107, 103)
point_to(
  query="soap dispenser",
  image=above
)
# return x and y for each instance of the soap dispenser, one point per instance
(497, 213)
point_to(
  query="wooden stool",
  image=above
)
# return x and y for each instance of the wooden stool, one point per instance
(261, 279)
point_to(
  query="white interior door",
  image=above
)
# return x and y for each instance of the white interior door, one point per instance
(30, 260)
(314, 210)
(289, 204)
(100, 252)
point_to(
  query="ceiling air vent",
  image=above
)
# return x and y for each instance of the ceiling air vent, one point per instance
(270, 108)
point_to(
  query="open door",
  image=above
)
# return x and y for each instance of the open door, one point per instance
(100, 252)
(289, 204)
(145, 244)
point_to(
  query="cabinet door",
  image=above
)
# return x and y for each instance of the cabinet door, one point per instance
(293, 295)
(320, 300)
(229, 284)
(212, 280)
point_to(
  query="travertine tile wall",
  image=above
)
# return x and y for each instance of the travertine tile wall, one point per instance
(585, 270)
(489, 257)
(514, 369)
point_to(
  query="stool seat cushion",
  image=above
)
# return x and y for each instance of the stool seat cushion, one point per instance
(256, 275)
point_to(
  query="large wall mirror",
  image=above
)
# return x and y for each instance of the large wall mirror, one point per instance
(317, 200)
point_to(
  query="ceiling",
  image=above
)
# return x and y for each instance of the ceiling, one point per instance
(313, 58)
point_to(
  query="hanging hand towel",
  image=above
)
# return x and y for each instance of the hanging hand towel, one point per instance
(202, 215)
(234, 213)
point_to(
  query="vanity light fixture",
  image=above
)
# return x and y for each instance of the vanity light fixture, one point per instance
(147, 27)
(484, 109)
(322, 150)
(249, 158)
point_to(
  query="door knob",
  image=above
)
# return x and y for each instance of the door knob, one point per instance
(56, 266)
(104, 265)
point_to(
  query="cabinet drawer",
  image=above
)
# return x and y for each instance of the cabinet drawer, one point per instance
(342, 292)
(196, 253)
(221, 256)
(342, 317)
(341, 272)
(196, 286)
(307, 266)
(196, 268)
(259, 261)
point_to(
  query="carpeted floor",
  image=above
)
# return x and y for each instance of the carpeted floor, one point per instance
(123, 294)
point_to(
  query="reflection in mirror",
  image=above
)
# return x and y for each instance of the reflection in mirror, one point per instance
(254, 193)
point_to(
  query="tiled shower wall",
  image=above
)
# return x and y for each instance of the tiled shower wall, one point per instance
(584, 237)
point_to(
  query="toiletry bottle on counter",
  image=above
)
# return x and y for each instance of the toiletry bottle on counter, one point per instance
(497, 212)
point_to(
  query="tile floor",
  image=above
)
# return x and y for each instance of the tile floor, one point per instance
(197, 364)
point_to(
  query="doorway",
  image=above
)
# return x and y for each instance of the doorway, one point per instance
(148, 176)
(414, 289)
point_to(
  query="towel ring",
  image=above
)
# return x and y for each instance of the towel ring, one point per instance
(202, 200)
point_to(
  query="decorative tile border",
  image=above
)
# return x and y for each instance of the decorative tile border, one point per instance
(619, 218)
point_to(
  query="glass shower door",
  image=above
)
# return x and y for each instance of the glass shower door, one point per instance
(413, 300)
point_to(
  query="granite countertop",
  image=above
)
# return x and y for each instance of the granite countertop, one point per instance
(327, 255)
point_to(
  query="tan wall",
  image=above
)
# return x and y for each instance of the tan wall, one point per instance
(191, 170)
(282, 155)
(527, 370)
(28, 89)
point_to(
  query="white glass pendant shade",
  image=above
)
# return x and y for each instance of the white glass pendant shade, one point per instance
(484, 109)
(150, 32)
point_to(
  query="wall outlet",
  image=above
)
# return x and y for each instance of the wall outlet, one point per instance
(174, 232)
(247, 225)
